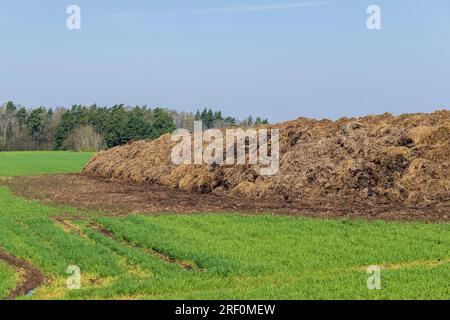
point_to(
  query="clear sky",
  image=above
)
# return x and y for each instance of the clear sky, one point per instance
(280, 59)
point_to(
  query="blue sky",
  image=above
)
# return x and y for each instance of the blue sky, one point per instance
(279, 59)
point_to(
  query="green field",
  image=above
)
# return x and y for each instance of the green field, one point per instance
(32, 163)
(232, 256)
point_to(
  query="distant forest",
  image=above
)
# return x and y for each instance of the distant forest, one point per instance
(92, 128)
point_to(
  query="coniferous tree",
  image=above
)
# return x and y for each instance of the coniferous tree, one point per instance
(162, 123)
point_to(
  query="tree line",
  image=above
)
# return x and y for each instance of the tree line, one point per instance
(214, 120)
(92, 128)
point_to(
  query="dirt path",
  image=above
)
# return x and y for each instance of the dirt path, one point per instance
(117, 198)
(32, 277)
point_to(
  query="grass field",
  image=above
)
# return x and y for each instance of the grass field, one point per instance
(228, 256)
(32, 163)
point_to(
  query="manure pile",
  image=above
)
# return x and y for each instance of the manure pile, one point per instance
(374, 161)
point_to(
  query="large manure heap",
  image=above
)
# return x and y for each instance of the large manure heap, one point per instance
(375, 160)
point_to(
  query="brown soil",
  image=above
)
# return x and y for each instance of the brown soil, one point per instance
(374, 161)
(33, 278)
(118, 198)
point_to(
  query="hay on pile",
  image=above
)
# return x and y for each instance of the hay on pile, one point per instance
(375, 160)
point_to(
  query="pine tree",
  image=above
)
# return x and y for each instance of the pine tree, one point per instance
(162, 123)
(198, 116)
(138, 126)
(35, 124)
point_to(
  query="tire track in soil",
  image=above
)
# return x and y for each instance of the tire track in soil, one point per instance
(33, 276)
(431, 263)
(66, 225)
(63, 221)
(108, 233)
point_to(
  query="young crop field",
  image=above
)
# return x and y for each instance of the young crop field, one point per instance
(43, 162)
(205, 256)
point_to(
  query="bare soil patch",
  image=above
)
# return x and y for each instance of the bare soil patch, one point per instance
(33, 278)
(122, 198)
